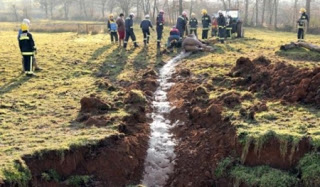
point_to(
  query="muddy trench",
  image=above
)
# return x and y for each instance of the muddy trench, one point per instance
(176, 138)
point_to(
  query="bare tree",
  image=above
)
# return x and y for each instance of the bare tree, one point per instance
(224, 4)
(66, 6)
(103, 6)
(180, 6)
(125, 5)
(246, 12)
(263, 11)
(44, 4)
(276, 4)
(257, 12)
(15, 12)
(294, 16)
(308, 4)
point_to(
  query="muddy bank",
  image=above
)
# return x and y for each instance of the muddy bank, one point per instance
(206, 137)
(278, 80)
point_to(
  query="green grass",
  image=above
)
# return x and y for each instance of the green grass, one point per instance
(262, 176)
(310, 169)
(38, 114)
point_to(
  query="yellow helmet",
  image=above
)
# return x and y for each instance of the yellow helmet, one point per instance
(302, 10)
(24, 27)
(111, 16)
(193, 14)
(204, 11)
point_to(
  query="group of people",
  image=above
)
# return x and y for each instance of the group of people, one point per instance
(122, 29)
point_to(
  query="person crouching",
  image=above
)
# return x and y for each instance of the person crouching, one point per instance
(174, 39)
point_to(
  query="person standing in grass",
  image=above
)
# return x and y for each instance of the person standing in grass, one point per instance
(145, 26)
(302, 24)
(222, 26)
(159, 27)
(206, 22)
(181, 24)
(130, 31)
(121, 28)
(193, 24)
(27, 48)
(112, 28)
(36, 68)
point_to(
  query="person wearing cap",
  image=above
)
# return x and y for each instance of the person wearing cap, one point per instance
(36, 67)
(181, 23)
(206, 22)
(145, 25)
(221, 26)
(174, 39)
(112, 28)
(130, 31)
(302, 24)
(121, 27)
(159, 27)
(193, 23)
(27, 48)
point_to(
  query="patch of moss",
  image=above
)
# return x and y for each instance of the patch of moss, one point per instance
(18, 174)
(51, 175)
(263, 176)
(223, 166)
(309, 166)
(79, 180)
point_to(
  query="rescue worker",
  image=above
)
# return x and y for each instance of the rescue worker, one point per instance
(174, 39)
(302, 24)
(36, 68)
(181, 24)
(145, 25)
(221, 26)
(129, 31)
(206, 22)
(193, 24)
(229, 27)
(121, 27)
(214, 26)
(112, 28)
(27, 48)
(159, 27)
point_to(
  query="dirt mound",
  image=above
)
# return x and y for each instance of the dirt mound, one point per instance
(230, 99)
(280, 80)
(116, 161)
(205, 138)
(93, 104)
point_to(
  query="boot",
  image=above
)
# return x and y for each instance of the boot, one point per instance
(136, 45)
(125, 45)
(148, 39)
(158, 45)
(145, 42)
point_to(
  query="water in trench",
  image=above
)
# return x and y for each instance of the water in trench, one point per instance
(160, 160)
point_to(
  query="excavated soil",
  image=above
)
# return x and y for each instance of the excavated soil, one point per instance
(278, 80)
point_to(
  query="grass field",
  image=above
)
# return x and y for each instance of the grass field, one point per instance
(39, 113)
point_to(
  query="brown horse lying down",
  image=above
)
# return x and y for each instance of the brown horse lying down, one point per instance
(192, 44)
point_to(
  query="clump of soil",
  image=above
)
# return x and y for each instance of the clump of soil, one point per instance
(94, 105)
(230, 99)
(278, 80)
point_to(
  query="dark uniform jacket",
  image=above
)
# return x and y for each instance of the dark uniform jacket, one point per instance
(26, 43)
(160, 21)
(221, 21)
(181, 23)
(304, 17)
(206, 21)
(193, 23)
(145, 24)
(129, 23)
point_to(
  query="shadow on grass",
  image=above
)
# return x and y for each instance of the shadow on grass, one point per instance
(299, 54)
(14, 83)
(99, 52)
(142, 59)
(113, 64)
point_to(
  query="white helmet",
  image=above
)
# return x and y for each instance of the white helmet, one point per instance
(26, 21)
(184, 13)
(220, 12)
(132, 14)
(147, 16)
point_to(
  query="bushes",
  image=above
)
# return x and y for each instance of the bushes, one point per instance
(309, 166)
